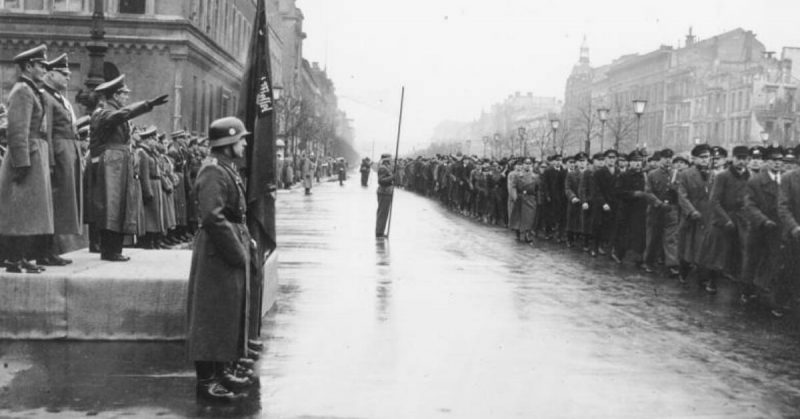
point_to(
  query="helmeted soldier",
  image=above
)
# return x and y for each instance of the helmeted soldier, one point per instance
(113, 178)
(217, 301)
(26, 196)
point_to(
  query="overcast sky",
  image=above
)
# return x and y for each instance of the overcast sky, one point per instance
(456, 57)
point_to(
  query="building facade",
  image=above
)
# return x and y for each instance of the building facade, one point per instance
(724, 90)
(193, 50)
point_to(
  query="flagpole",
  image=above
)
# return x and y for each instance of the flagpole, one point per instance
(396, 152)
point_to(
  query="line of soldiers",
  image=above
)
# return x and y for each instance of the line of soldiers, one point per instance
(702, 214)
(60, 172)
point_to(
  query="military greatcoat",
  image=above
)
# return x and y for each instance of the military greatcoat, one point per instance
(113, 181)
(66, 157)
(693, 197)
(217, 300)
(26, 205)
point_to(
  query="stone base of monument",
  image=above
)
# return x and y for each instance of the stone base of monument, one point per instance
(91, 299)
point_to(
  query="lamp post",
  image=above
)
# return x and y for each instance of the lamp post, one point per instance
(521, 131)
(638, 109)
(497, 144)
(485, 143)
(764, 137)
(554, 124)
(602, 113)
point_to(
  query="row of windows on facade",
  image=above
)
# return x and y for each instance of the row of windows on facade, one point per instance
(210, 102)
(222, 21)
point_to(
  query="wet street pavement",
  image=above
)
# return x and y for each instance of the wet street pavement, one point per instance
(446, 319)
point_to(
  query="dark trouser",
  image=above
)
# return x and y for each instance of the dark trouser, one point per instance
(364, 178)
(21, 247)
(662, 236)
(209, 370)
(94, 238)
(384, 205)
(110, 243)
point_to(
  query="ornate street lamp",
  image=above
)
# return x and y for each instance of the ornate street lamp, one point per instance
(497, 143)
(521, 131)
(554, 124)
(638, 109)
(602, 113)
(764, 136)
(485, 143)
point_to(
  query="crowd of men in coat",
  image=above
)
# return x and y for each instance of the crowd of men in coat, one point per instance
(308, 168)
(703, 215)
(130, 185)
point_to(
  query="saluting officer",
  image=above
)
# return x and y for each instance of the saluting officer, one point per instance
(66, 158)
(218, 280)
(26, 196)
(113, 182)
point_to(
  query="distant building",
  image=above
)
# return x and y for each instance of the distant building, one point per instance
(724, 90)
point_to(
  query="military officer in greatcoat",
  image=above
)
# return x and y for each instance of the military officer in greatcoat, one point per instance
(66, 159)
(113, 181)
(218, 296)
(26, 195)
(694, 188)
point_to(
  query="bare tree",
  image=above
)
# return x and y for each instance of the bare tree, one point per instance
(621, 124)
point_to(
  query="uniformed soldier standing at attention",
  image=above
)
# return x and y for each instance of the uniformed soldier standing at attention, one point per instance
(113, 185)
(218, 280)
(26, 196)
(66, 159)
(385, 194)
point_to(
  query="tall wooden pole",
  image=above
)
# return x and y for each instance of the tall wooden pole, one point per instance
(396, 152)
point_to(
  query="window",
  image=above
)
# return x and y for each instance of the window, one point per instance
(10, 4)
(34, 4)
(69, 5)
(132, 6)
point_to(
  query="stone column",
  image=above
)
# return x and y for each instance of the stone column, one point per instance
(179, 56)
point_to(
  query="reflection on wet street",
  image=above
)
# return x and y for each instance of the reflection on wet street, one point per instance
(446, 318)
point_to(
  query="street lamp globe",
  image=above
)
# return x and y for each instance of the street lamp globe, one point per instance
(602, 113)
(764, 136)
(638, 106)
(554, 123)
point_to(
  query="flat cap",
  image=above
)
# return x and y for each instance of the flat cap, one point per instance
(740, 151)
(700, 149)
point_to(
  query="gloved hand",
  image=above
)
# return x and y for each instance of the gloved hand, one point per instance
(796, 233)
(695, 215)
(575, 200)
(20, 173)
(158, 101)
(585, 206)
(730, 226)
(770, 225)
(606, 207)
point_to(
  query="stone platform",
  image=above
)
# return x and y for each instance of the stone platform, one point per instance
(91, 299)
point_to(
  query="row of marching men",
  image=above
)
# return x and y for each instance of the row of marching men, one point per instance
(706, 215)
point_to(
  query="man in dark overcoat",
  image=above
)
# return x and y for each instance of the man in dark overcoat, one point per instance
(26, 195)
(573, 200)
(218, 296)
(786, 286)
(113, 186)
(763, 239)
(366, 168)
(632, 202)
(66, 159)
(601, 199)
(694, 186)
(724, 246)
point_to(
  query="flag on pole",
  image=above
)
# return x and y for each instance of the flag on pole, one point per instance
(257, 111)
